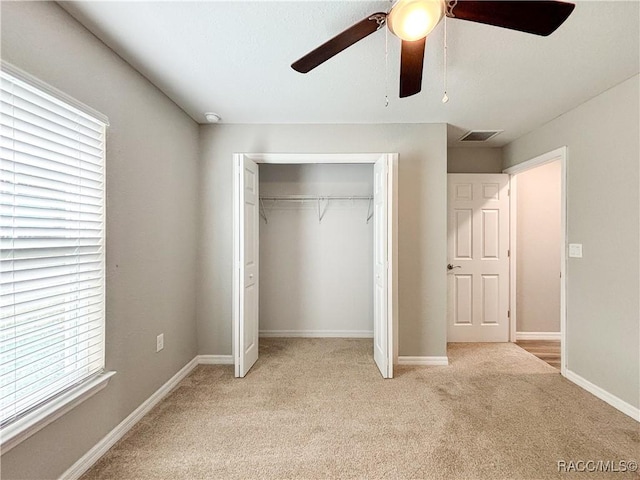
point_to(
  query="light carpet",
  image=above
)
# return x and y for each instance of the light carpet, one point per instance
(318, 408)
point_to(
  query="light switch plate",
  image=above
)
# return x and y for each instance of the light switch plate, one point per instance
(575, 250)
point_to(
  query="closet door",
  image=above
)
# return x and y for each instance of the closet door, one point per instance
(246, 297)
(382, 309)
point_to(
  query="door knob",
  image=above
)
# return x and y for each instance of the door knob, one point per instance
(451, 267)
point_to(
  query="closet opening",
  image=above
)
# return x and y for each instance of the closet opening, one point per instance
(315, 251)
(316, 246)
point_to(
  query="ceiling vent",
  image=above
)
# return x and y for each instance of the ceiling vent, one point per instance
(479, 135)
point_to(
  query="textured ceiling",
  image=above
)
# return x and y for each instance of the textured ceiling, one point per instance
(233, 58)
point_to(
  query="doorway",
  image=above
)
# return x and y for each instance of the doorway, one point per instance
(483, 300)
(538, 249)
(246, 252)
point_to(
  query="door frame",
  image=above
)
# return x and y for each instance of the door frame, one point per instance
(392, 228)
(559, 154)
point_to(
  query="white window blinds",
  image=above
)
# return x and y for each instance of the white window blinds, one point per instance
(52, 247)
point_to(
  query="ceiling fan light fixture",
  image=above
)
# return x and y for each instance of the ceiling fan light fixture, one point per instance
(412, 20)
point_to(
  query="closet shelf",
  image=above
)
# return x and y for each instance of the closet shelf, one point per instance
(314, 198)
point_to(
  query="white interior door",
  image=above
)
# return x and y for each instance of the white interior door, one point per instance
(383, 247)
(246, 297)
(478, 249)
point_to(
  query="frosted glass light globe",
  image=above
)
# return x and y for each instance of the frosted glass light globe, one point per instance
(414, 19)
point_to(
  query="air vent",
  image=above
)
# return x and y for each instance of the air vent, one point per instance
(479, 135)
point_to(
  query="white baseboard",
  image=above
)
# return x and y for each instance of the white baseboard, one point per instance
(537, 336)
(602, 394)
(92, 456)
(317, 333)
(215, 359)
(428, 361)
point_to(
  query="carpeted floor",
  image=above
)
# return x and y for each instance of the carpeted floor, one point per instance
(318, 408)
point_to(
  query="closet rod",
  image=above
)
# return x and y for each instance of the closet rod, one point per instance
(315, 198)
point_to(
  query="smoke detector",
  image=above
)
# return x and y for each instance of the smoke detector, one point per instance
(212, 117)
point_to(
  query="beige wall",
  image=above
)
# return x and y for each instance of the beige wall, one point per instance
(538, 249)
(474, 160)
(422, 186)
(151, 226)
(602, 136)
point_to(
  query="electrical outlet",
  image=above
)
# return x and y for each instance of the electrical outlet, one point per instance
(159, 342)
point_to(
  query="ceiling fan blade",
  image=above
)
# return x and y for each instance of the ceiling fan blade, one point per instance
(341, 41)
(411, 61)
(537, 17)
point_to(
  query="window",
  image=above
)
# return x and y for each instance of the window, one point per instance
(52, 252)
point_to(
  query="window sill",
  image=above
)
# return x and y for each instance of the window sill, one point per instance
(23, 428)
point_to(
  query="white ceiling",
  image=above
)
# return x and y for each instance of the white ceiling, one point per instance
(233, 58)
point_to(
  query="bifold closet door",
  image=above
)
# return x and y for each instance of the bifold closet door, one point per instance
(382, 248)
(246, 257)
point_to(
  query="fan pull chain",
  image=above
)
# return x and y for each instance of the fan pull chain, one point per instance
(445, 98)
(386, 67)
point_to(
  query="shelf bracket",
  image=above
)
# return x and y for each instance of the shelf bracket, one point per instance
(322, 211)
(263, 212)
(369, 212)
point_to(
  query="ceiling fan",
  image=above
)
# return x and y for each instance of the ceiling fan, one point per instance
(413, 20)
